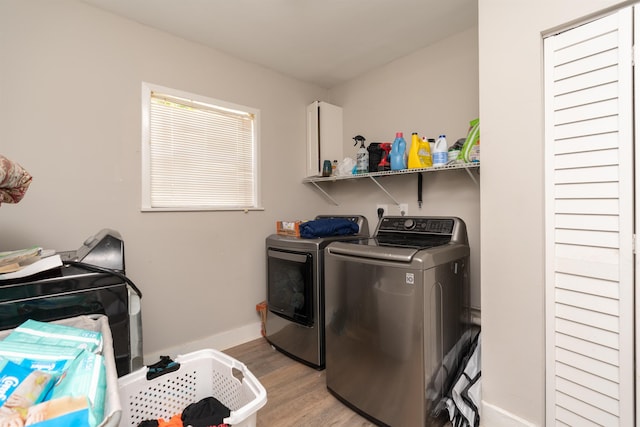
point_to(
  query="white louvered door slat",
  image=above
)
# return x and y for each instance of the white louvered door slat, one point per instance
(596, 158)
(599, 352)
(589, 224)
(587, 143)
(605, 173)
(606, 387)
(585, 332)
(588, 285)
(584, 96)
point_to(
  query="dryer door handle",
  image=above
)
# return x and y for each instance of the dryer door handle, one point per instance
(288, 256)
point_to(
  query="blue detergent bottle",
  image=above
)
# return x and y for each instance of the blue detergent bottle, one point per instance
(398, 153)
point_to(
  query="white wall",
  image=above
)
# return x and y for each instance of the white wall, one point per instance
(70, 86)
(432, 91)
(511, 114)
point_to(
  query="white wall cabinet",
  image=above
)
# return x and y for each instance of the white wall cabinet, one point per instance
(324, 135)
(590, 204)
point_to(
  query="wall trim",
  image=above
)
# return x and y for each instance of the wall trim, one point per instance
(493, 416)
(221, 341)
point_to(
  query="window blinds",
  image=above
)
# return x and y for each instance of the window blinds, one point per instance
(201, 155)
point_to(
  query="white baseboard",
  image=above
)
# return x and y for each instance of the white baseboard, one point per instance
(493, 416)
(221, 341)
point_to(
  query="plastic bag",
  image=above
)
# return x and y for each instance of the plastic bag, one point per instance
(471, 148)
(50, 334)
(20, 389)
(345, 167)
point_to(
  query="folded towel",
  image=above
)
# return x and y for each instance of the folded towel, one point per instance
(328, 227)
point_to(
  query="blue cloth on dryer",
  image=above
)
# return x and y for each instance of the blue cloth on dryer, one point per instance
(328, 227)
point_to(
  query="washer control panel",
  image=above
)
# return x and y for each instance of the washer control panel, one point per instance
(417, 225)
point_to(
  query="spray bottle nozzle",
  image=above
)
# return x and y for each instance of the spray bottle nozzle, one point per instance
(359, 138)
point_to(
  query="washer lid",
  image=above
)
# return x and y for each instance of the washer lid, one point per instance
(368, 248)
(401, 238)
(383, 249)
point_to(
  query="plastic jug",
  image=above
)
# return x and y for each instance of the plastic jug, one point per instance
(398, 153)
(424, 153)
(413, 161)
(440, 151)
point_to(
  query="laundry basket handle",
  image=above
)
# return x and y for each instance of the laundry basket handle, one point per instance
(163, 366)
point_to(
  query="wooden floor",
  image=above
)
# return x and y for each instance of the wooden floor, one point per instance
(297, 395)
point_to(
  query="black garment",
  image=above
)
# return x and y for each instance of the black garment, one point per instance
(205, 413)
(208, 412)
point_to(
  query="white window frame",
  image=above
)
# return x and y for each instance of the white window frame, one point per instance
(146, 203)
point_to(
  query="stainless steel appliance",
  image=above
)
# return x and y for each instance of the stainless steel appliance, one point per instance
(295, 292)
(395, 306)
(91, 281)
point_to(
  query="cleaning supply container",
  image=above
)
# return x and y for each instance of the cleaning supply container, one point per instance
(413, 161)
(362, 156)
(424, 152)
(440, 151)
(398, 153)
(375, 155)
(198, 375)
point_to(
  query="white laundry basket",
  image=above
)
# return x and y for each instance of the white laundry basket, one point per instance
(201, 374)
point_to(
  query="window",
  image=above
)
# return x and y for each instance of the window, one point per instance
(197, 153)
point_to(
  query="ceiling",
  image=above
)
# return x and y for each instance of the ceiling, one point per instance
(324, 42)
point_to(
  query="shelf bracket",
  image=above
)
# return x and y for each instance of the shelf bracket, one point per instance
(473, 178)
(315, 184)
(385, 191)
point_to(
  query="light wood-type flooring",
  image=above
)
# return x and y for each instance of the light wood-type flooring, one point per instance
(297, 394)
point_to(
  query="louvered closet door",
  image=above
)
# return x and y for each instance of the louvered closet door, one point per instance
(589, 224)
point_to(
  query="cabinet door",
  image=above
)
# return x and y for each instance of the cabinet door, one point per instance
(324, 135)
(590, 223)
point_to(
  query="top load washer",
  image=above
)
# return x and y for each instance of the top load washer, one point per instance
(295, 292)
(396, 305)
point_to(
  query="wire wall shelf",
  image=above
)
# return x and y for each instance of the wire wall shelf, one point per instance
(374, 176)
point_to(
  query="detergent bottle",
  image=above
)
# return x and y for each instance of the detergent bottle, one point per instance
(440, 152)
(424, 153)
(398, 153)
(414, 158)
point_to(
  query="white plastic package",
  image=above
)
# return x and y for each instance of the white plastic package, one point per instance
(345, 167)
(44, 358)
(20, 389)
(43, 333)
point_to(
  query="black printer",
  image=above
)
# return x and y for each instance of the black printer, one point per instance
(91, 280)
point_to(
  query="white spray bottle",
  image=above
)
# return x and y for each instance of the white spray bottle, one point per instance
(362, 156)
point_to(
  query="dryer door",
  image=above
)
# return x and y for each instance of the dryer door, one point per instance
(290, 285)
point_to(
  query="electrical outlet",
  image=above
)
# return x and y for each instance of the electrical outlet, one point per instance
(404, 209)
(385, 209)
